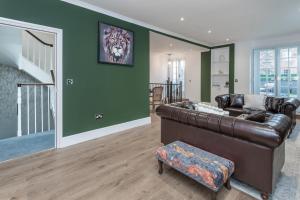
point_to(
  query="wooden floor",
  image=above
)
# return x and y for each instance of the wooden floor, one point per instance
(116, 167)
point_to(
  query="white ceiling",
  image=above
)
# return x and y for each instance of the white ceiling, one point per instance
(166, 45)
(238, 20)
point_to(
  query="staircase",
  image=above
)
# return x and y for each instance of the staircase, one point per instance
(30, 52)
(37, 60)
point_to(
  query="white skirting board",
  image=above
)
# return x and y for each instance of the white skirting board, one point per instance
(97, 133)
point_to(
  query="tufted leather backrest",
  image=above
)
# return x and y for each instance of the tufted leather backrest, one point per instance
(271, 133)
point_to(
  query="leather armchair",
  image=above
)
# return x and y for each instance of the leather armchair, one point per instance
(288, 108)
(224, 102)
(273, 105)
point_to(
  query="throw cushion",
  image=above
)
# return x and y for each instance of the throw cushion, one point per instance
(259, 116)
(255, 101)
(273, 104)
(237, 100)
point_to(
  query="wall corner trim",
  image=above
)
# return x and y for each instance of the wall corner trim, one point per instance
(98, 133)
(98, 9)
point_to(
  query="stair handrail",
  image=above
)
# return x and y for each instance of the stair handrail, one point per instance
(38, 39)
(37, 52)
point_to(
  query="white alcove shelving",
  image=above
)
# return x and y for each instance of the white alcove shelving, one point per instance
(219, 72)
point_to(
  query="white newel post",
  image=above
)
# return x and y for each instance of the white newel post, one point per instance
(19, 101)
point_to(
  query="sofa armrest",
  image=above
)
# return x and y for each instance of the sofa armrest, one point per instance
(223, 100)
(289, 106)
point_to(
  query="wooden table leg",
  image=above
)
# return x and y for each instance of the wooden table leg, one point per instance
(160, 167)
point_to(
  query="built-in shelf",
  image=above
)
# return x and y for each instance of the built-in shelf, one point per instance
(220, 74)
(220, 62)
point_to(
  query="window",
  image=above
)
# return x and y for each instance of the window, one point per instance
(275, 71)
(178, 69)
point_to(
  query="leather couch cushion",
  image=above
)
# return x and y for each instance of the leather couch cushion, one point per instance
(257, 116)
(237, 100)
(234, 111)
(273, 104)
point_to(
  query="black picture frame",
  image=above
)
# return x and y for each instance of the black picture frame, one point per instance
(103, 55)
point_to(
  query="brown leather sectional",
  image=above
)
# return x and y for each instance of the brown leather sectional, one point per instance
(257, 149)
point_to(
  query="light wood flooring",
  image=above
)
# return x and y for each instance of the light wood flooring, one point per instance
(116, 167)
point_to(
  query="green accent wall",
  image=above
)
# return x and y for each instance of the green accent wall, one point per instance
(231, 68)
(120, 92)
(205, 76)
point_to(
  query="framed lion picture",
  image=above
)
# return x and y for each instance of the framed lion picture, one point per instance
(115, 45)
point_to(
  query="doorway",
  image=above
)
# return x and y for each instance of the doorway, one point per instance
(31, 76)
(175, 67)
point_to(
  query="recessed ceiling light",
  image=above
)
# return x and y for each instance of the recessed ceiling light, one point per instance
(182, 19)
(227, 39)
(209, 31)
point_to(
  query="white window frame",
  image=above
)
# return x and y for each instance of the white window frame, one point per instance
(277, 66)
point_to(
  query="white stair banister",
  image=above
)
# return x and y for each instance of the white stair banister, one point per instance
(42, 108)
(35, 109)
(45, 104)
(19, 101)
(48, 99)
(28, 114)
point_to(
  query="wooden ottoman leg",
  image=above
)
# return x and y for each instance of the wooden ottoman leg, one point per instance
(214, 196)
(160, 167)
(227, 184)
(264, 196)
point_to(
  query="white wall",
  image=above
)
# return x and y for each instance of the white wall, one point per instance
(243, 53)
(10, 46)
(158, 67)
(193, 76)
(159, 72)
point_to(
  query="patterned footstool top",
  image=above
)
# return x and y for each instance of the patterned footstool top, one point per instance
(206, 168)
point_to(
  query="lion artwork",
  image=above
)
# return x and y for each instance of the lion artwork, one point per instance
(116, 44)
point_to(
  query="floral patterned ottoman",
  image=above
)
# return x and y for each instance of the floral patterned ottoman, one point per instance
(206, 168)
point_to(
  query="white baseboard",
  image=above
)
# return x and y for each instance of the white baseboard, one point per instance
(97, 133)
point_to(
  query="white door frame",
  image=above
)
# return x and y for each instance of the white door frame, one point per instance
(59, 68)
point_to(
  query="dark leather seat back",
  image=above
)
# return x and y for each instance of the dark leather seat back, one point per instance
(271, 133)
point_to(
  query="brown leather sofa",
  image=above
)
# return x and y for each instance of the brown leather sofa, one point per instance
(257, 149)
(273, 105)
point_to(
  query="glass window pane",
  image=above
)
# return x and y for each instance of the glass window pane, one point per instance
(293, 52)
(284, 53)
(288, 72)
(284, 62)
(293, 62)
(267, 72)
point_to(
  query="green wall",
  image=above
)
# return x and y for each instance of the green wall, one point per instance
(121, 93)
(231, 68)
(205, 76)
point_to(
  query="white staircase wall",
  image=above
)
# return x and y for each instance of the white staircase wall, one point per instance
(10, 46)
(37, 53)
(34, 71)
